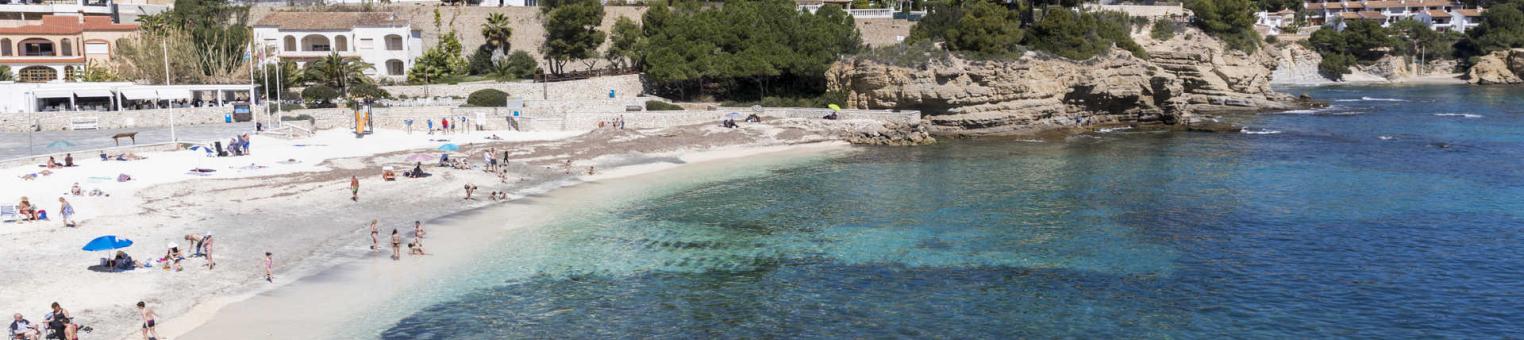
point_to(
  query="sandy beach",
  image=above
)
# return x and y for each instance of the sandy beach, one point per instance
(290, 198)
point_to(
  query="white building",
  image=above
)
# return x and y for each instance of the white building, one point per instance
(387, 42)
(1458, 20)
(1271, 22)
(114, 96)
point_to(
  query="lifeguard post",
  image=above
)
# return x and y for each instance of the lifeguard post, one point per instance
(363, 123)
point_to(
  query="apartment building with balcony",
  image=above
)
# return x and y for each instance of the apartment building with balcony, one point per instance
(1439, 14)
(57, 48)
(387, 42)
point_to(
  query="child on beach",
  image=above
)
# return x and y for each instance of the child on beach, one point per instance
(67, 211)
(373, 233)
(149, 326)
(354, 188)
(416, 247)
(470, 189)
(269, 267)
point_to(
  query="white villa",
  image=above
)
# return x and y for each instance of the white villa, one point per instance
(1444, 15)
(385, 41)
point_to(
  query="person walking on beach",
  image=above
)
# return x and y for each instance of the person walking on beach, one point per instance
(67, 210)
(354, 188)
(206, 248)
(431, 125)
(269, 267)
(149, 326)
(396, 245)
(374, 242)
(444, 125)
(418, 229)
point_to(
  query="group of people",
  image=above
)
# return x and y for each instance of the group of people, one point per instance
(30, 212)
(617, 123)
(445, 126)
(414, 248)
(57, 322)
(237, 146)
(54, 164)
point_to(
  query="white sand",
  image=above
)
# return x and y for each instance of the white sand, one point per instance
(47, 265)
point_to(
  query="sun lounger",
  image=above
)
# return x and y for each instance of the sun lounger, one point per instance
(8, 213)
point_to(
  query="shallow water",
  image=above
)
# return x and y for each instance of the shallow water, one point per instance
(1393, 214)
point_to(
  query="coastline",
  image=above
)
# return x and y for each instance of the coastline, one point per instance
(301, 211)
(358, 286)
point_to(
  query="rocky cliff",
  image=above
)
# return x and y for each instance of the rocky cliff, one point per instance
(1499, 67)
(1182, 77)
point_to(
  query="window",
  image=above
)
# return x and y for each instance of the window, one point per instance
(70, 73)
(97, 48)
(366, 43)
(5, 50)
(393, 42)
(68, 47)
(340, 43)
(36, 74)
(37, 48)
(394, 67)
(290, 44)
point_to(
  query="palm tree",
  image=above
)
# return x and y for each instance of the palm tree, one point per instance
(496, 31)
(336, 72)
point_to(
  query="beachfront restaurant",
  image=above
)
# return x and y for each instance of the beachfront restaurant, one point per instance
(115, 96)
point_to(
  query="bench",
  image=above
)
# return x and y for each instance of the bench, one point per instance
(129, 135)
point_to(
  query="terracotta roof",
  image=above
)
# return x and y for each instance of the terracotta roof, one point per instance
(1349, 15)
(1354, 5)
(1372, 16)
(1334, 5)
(330, 20)
(1471, 12)
(1315, 5)
(1384, 4)
(1434, 3)
(66, 25)
(1434, 13)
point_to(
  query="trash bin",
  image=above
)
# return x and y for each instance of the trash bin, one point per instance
(227, 118)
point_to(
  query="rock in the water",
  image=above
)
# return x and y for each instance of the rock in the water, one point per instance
(1499, 67)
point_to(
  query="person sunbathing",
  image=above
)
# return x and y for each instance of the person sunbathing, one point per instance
(52, 163)
(74, 190)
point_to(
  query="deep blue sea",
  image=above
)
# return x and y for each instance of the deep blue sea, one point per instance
(1395, 213)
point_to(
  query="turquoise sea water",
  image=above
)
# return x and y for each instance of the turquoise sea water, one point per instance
(1393, 214)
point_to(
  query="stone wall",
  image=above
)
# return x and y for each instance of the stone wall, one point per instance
(14, 122)
(595, 88)
(497, 118)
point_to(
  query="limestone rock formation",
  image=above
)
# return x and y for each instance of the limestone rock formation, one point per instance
(1188, 74)
(1500, 67)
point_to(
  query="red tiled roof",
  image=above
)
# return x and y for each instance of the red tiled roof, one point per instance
(1471, 12)
(41, 60)
(64, 25)
(1437, 13)
(1372, 16)
(1314, 5)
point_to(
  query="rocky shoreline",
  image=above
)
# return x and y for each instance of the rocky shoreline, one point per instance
(1183, 77)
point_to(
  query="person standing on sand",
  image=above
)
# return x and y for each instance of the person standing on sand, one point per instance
(206, 248)
(396, 245)
(444, 126)
(373, 233)
(149, 326)
(354, 188)
(418, 229)
(67, 210)
(431, 126)
(269, 267)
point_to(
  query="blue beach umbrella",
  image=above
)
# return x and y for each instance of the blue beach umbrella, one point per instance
(60, 144)
(108, 242)
(449, 147)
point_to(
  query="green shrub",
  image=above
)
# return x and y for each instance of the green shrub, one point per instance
(487, 98)
(1163, 30)
(657, 105)
(319, 96)
(1270, 39)
(520, 65)
(1083, 35)
(1335, 65)
(368, 91)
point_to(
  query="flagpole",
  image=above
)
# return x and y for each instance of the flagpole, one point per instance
(165, 45)
(253, 99)
(264, 69)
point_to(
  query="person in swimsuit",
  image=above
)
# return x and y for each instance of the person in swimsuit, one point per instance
(374, 242)
(63, 321)
(418, 229)
(206, 247)
(148, 321)
(354, 188)
(396, 245)
(67, 211)
(269, 267)
(175, 256)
